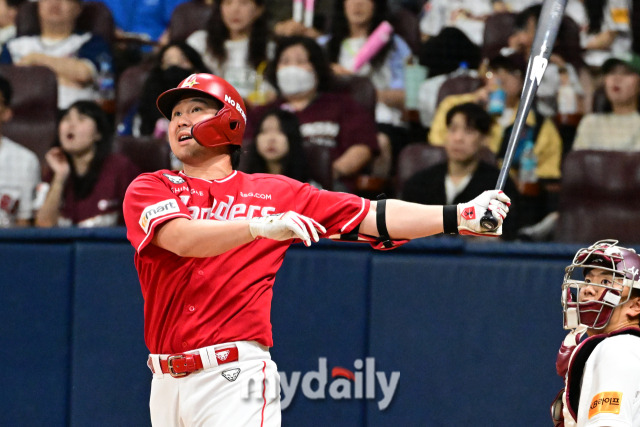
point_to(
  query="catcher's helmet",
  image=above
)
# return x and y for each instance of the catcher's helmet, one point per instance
(622, 263)
(227, 126)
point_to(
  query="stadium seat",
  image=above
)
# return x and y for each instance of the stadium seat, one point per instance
(187, 18)
(95, 17)
(129, 88)
(457, 85)
(599, 197)
(497, 29)
(35, 107)
(407, 25)
(319, 163)
(413, 158)
(148, 153)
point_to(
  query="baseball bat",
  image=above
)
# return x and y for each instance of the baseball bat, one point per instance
(546, 33)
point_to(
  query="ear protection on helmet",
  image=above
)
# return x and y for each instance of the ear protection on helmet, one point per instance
(227, 126)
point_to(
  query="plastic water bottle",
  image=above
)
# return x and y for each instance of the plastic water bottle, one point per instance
(106, 85)
(463, 70)
(528, 164)
(497, 99)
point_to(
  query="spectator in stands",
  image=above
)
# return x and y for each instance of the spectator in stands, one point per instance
(618, 127)
(353, 22)
(464, 172)
(172, 64)
(466, 15)
(608, 30)
(8, 14)
(19, 171)
(146, 20)
(86, 183)
(302, 76)
(74, 57)
(236, 45)
(521, 41)
(277, 147)
(510, 71)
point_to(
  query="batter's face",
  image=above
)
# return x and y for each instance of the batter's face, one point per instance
(78, 133)
(463, 141)
(272, 143)
(239, 15)
(184, 115)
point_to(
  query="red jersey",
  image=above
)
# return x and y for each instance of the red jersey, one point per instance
(197, 302)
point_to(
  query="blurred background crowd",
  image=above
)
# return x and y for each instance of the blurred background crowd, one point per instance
(412, 99)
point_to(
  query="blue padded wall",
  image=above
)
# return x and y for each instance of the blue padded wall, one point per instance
(472, 328)
(110, 379)
(34, 333)
(319, 310)
(475, 338)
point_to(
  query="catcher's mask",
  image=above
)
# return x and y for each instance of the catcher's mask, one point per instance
(624, 266)
(227, 126)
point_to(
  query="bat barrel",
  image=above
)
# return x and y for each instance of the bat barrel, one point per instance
(546, 34)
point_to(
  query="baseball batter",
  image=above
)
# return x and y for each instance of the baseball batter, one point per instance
(209, 241)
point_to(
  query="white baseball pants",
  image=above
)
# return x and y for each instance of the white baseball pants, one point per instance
(215, 396)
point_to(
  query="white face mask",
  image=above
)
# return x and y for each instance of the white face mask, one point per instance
(293, 80)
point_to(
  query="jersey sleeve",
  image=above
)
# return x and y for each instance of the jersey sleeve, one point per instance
(148, 203)
(612, 392)
(338, 212)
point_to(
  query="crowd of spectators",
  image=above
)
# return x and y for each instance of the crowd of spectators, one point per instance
(298, 82)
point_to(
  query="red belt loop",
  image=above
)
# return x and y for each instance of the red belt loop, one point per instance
(182, 364)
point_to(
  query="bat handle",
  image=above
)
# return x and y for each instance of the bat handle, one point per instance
(488, 221)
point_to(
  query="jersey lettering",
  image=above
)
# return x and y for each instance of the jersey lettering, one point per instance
(187, 189)
(320, 133)
(227, 210)
(605, 402)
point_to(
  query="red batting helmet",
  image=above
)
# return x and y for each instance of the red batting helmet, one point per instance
(227, 126)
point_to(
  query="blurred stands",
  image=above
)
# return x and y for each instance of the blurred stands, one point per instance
(34, 104)
(95, 17)
(599, 196)
(187, 18)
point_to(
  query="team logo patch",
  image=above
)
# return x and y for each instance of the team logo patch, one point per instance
(156, 211)
(190, 81)
(231, 374)
(174, 179)
(469, 213)
(606, 402)
(222, 355)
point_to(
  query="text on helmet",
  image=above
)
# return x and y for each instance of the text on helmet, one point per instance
(236, 105)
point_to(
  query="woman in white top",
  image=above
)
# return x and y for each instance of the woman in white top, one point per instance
(618, 127)
(236, 46)
(353, 22)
